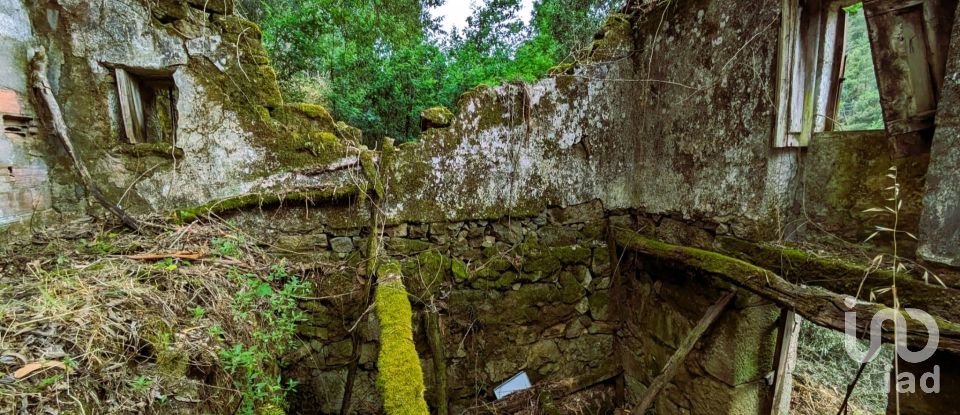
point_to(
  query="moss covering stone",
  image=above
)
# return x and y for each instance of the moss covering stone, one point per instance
(372, 174)
(459, 269)
(261, 199)
(164, 150)
(436, 117)
(616, 38)
(400, 377)
(404, 246)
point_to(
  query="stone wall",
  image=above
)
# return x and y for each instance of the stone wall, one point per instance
(618, 128)
(940, 226)
(536, 294)
(846, 174)
(498, 220)
(23, 171)
(528, 294)
(232, 132)
(629, 127)
(637, 132)
(726, 372)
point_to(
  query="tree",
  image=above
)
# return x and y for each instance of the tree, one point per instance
(378, 63)
(859, 96)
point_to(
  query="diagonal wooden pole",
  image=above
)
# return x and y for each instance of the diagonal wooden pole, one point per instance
(41, 87)
(673, 365)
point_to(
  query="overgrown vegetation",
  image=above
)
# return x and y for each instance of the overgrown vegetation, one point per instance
(377, 65)
(250, 362)
(824, 370)
(93, 321)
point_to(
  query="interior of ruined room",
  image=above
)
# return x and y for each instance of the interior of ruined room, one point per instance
(685, 218)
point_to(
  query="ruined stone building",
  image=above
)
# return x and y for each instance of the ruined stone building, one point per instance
(577, 228)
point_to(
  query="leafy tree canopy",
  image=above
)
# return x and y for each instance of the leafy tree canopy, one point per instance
(377, 63)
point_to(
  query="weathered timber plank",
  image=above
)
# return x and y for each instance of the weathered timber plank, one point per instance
(821, 306)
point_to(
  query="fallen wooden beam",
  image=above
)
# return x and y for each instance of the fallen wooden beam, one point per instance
(259, 199)
(399, 374)
(822, 307)
(676, 361)
(844, 276)
(54, 120)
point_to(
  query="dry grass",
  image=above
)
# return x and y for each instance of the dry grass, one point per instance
(133, 336)
(813, 399)
(824, 370)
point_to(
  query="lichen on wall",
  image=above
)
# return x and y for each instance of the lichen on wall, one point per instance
(226, 138)
(636, 132)
(940, 226)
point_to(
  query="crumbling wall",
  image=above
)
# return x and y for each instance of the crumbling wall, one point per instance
(233, 132)
(640, 131)
(704, 113)
(23, 172)
(725, 373)
(627, 128)
(498, 219)
(512, 294)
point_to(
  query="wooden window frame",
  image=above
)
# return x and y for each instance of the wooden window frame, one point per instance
(910, 39)
(132, 87)
(810, 67)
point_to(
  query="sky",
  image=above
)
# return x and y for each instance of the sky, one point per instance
(455, 12)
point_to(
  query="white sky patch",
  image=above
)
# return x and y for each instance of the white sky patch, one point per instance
(455, 12)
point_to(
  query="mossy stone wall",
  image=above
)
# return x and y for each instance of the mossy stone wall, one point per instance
(535, 294)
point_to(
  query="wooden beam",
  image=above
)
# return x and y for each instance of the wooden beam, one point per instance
(435, 340)
(843, 276)
(786, 363)
(816, 304)
(676, 361)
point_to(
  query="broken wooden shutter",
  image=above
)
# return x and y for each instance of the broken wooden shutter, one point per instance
(909, 39)
(798, 105)
(789, 31)
(131, 106)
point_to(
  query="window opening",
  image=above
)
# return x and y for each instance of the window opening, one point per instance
(148, 106)
(858, 103)
(811, 35)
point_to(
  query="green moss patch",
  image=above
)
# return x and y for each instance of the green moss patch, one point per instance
(436, 117)
(400, 377)
(261, 199)
(164, 150)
